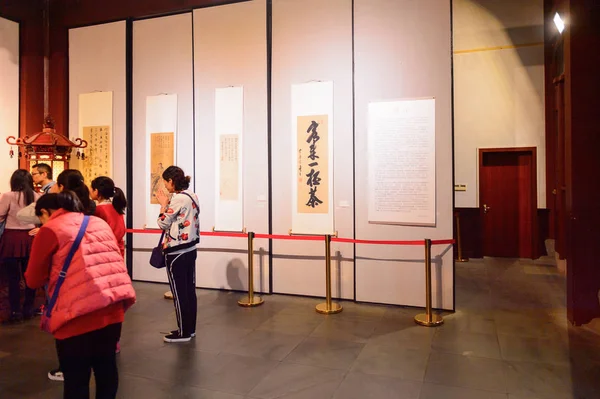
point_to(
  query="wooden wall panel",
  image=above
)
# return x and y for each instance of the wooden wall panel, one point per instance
(471, 232)
(31, 102)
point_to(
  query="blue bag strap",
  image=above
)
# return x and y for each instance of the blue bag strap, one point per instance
(190, 197)
(63, 272)
(197, 209)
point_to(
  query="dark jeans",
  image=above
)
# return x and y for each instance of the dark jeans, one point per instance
(181, 270)
(81, 354)
(15, 268)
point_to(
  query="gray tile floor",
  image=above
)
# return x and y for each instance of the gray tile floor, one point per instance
(508, 339)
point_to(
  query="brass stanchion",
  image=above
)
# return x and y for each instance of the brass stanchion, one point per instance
(251, 300)
(328, 307)
(428, 319)
(460, 257)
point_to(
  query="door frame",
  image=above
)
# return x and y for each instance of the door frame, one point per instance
(534, 202)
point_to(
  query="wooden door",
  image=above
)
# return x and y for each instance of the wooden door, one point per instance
(508, 202)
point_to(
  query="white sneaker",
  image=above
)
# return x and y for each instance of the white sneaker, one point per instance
(177, 331)
(56, 375)
(175, 337)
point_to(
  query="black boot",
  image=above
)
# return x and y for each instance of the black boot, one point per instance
(14, 318)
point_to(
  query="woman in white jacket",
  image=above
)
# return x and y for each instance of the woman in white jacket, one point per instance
(179, 219)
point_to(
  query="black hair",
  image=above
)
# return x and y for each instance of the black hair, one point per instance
(106, 188)
(176, 175)
(66, 200)
(72, 180)
(22, 182)
(45, 168)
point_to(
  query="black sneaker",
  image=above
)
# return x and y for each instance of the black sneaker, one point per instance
(177, 332)
(175, 337)
(56, 375)
(15, 318)
(28, 314)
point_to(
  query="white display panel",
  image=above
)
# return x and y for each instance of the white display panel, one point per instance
(312, 207)
(229, 158)
(97, 78)
(396, 58)
(230, 51)
(162, 103)
(312, 42)
(9, 98)
(402, 162)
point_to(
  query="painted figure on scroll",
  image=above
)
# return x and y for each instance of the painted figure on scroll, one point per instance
(156, 182)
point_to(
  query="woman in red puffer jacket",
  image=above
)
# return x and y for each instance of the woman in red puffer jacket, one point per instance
(90, 304)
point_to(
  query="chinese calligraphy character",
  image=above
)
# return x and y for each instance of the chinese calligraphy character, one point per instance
(313, 201)
(313, 138)
(313, 178)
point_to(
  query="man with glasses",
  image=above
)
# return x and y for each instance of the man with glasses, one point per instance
(42, 175)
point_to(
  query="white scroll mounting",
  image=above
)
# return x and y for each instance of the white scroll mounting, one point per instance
(312, 158)
(229, 126)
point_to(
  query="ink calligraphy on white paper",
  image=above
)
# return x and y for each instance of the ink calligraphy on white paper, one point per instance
(98, 154)
(402, 162)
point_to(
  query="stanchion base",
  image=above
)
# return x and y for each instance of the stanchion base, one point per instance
(247, 303)
(335, 308)
(168, 295)
(462, 260)
(435, 320)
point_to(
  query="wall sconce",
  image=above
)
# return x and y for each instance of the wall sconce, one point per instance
(559, 23)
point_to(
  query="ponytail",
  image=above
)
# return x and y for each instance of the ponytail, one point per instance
(107, 190)
(119, 201)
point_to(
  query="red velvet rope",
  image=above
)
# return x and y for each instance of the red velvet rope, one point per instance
(302, 238)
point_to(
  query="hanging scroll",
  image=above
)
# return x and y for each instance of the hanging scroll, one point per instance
(312, 142)
(229, 126)
(95, 127)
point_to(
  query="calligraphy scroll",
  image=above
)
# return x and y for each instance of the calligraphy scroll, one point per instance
(98, 154)
(229, 164)
(95, 125)
(229, 128)
(162, 155)
(312, 158)
(313, 164)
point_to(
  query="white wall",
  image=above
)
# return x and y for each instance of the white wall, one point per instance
(498, 94)
(9, 98)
